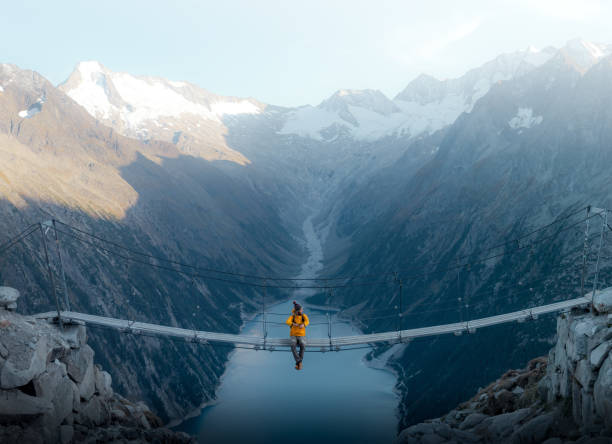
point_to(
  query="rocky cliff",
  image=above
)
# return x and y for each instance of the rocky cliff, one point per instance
(51, 391)
(565, 397)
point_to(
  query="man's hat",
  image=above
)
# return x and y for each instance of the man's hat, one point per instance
(296, 306)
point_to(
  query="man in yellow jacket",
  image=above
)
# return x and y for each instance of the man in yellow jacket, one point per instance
(298, 322)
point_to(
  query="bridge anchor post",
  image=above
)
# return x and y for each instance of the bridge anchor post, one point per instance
(59, 255)
(604, 224)
(57, 305)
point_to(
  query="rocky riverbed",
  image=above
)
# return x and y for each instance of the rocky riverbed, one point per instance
(565, 397)
(52, 391)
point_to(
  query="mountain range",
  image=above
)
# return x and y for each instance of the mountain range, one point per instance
(445, 169)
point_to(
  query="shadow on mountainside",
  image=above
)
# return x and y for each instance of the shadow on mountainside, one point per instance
(189, 211)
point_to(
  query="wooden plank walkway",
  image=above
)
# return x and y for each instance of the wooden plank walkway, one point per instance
(322, 344)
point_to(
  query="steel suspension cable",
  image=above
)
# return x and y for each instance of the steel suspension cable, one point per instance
(251, 276)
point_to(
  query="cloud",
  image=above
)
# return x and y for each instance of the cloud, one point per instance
(427, 40)
(436, 45)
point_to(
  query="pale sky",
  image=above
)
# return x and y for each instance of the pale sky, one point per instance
(287, 52)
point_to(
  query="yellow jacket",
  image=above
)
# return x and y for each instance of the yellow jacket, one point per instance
(297, 331)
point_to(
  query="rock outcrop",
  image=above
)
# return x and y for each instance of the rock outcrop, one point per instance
(51, 391)
(580, 365)
(565, 397)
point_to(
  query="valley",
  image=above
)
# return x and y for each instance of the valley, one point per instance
(420, 188)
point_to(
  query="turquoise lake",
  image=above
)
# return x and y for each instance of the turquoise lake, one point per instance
(335, 398)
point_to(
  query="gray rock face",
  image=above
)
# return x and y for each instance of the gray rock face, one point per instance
(576, 366)
(583, 374)
(603, 392)
(53, 393)
(599, 354)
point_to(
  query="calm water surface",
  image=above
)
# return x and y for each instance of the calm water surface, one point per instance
(335, 398)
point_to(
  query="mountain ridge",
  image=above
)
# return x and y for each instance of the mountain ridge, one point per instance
(424, 106)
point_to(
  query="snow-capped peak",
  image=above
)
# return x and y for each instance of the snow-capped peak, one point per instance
(424, 106)
(89, 67)
(132, 99)
(87, 86)
(595, 50)
(369, 99)
(537, 57)
(584, 54)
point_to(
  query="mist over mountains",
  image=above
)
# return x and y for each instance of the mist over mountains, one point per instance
(445, 169)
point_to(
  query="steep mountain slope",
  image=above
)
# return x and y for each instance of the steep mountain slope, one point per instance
(58, 161)
(531, 150)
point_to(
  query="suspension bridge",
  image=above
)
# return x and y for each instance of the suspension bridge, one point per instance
(324, 344)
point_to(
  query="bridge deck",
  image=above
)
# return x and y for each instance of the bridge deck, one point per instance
(324, 344)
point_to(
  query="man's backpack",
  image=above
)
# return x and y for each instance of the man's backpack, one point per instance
(295, 322)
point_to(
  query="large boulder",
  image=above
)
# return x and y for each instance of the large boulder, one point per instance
(472, 420)
(579, 332)
(27, 359)
(94, 413)
(501, 426)
(535, 430)
(78, 361)
(87, 386)
(103, 382)
(74, 335)
(602, 302)
(55, 386)
(8, 298)
(17, 403)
